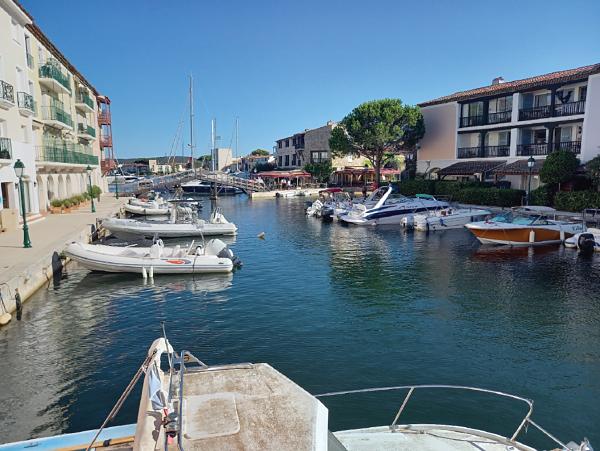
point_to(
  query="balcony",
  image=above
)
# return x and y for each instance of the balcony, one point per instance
(56, 117)
(5, 149)
(570, 146)
(499, 117)
(86, 132)
(52, 77)
(57, 151)
(26, 104)
(526, 150)
(7, 95)
(29, 60)
(484, 152)
(492, 118)
(570, 109)
(538, 112)
(472, 121)
(84, 102)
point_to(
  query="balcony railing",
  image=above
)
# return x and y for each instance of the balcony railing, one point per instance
(25, 101)
(104, 117)
(5, 149)
(569, 109)
(526, 150)
(29, 60)
(86, 129)
(538, 112)
(51, 70)
(570, 146)
(55, 113)
(7, 92)
(499, 117)
(58, 151)
(82, 97)
(485, 152)
(471, 121)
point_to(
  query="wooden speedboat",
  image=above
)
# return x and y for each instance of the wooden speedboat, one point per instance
(525, 226)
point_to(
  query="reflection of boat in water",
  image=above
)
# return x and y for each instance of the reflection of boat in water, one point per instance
(524, 226)
(186, 404)
(509, 253)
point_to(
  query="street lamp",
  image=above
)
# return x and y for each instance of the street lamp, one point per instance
(119, 166)
(89, 173)
(530, 164)
(19, 168)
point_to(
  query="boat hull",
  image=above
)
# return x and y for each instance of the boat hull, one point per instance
(145, 211)
(205, 190)
(425, 223)
(520, 236)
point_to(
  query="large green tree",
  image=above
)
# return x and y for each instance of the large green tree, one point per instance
(378, 130)
(260, 153)
(559, 167)
(320, 171)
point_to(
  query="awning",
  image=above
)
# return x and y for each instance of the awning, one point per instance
(471, 167)
(519, 167)
(284, 174)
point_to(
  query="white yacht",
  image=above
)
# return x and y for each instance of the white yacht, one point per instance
(190, 405)
(391, 209)
(445, 219)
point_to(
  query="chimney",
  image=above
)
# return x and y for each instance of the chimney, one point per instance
(497, 81)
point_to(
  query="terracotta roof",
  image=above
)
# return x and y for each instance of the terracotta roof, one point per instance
(539, 81)
(470, 167)
(519, 167)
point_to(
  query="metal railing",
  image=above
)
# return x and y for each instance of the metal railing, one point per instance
(56, 113)
(52, 70)
(499, 117)
(104, 117)
(472, 121)
(538, 112)
(569, 109)
(570, 146)
(411, 388)
(532, 149)
(83, 97)
(5, 149)
(7, 92)
(65, 152)
(484, 152)
(25, 101)
(469, 152)
(86, 129)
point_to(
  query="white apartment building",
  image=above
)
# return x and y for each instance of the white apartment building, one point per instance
(48, 118)
(491, 132)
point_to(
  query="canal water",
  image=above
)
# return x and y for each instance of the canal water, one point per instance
(333, 308)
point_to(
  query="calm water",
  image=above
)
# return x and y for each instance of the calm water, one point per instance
(333, 308)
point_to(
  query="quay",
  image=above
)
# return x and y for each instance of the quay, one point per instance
(27, 270)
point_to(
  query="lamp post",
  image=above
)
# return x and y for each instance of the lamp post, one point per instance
(530, 164)
(19, 168)
(117, 181)
(89, 173)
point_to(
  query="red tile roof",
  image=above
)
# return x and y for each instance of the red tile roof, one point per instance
(538, 81)
(471, 167)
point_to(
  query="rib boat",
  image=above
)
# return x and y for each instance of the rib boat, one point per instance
(214, 257)
(186, 404)
(525, 226)
(151, 208)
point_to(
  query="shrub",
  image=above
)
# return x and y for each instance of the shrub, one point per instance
(592, 168)
(56, 203)
(415, 186)
(86, 196)
(544, 195)
(96, 191)
(576, 200)
(67, 203)
(559, 167)
(490, 196)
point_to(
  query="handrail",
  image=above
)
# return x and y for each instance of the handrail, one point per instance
(411, 388)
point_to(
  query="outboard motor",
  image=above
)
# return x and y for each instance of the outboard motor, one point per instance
(586, 243)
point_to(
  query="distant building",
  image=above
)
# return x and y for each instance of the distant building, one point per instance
(490, 132)
(224, 158)
(249, 162)
(310, 146)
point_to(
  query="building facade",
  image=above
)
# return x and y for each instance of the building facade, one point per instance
(491, 132)
(48, 118)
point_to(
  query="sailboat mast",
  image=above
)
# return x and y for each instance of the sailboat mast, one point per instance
(237, 155)
(192, 123)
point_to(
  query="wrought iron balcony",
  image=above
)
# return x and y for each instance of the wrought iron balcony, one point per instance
(5, 149)
(526, 150)
(58, 151)
(499, 117)
(570, 146)
(7, 95)
(83, 129)
(484, 152)
(538, 112)
(56, 114)
(570, 109)
(52, 71)
(26, 102)
(472, 121)
(84, 99)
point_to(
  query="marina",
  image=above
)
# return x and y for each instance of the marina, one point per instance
(428, 311)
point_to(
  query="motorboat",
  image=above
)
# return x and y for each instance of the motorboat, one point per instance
(187, 404)
(445, 218)
(586, 242)
(331, 202)
(525, 226)
(204, 188)
(391, 209)
(151, 208)
(214, 257)
(184, 222)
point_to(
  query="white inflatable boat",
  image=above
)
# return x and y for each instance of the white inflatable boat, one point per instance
(215, 257)
(151, 208)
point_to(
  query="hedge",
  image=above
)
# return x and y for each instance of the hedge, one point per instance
(544, 195)
(476, 193)
(576, 200)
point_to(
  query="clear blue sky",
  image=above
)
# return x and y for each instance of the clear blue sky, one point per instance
(283, 66)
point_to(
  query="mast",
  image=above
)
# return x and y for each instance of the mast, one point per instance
(193, 166)
(237, 132)
(213, 155)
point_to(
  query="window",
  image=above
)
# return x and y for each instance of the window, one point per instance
(279, 143)
(539, 136)
(541, 100)
(504, 138)
(25, 133)
(40, 56)
(583, 93)
(15, 31)
(280, 161)
(287, 143)
(287, 160)
(472, 109)
(565, 134)
(500, 105)
(294, 160)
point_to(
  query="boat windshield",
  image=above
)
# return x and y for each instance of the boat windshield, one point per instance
(518, 219)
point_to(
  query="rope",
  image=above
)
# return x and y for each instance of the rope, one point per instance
(123, 397)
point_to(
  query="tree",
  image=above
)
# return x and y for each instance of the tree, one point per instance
(559, 167)
(260, 153)
(378, 130)
(592, 168)
(263, 167)
(320, 171)
(205, 161)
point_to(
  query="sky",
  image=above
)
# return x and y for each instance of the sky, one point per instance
(283, 66)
